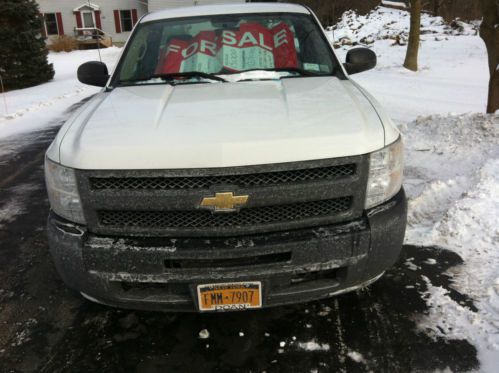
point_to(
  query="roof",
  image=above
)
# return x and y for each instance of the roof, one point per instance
(203, 10)
(86, 4)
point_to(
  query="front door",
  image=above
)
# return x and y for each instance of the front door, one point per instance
(88, 19)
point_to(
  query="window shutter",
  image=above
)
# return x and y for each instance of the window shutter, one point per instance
(117, 21)
(78, 20)
(134, 16)
(97, 20)
(60, 26)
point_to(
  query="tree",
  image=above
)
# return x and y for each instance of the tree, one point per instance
(411, 57)
(23, 54)
(489, 31)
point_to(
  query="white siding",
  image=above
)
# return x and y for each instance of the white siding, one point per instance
(107, 7)
(165, 4)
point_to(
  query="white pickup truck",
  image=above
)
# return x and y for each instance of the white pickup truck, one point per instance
(229, 163)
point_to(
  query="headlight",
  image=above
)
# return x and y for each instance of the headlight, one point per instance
(385, 174)
(63, 192)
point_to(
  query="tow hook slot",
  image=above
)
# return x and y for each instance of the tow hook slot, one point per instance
(68, 228)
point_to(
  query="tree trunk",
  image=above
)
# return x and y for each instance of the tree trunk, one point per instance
(436, 7)
(489, 31)
(411, 57)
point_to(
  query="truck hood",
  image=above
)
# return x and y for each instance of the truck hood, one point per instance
(220, 125)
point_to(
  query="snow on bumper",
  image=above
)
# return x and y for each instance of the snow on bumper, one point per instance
(293, 266)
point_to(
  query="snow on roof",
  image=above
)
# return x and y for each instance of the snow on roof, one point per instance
(202, 10)
(86, 5)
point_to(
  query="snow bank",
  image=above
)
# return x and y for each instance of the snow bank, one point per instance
(387, 23)
(452, 180)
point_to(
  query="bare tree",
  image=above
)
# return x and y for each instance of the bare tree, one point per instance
(489, 31)
(411, 57)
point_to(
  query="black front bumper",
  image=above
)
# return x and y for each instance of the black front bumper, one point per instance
(293, 266)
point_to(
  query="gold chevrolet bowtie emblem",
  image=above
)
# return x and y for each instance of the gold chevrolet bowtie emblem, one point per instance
(224, 202)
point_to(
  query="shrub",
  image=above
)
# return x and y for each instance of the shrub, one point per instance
(63, 44)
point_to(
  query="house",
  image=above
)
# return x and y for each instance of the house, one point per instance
(113, 19)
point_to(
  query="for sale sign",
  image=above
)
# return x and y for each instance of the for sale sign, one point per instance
(253, 46)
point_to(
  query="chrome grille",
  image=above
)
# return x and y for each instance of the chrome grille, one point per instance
(205, 182)
(206, 219)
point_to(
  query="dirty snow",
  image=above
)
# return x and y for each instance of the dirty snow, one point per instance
(313, 346)
(204, 334)
(452, 159)
(16, 204)
(452, 180)
(356, 356)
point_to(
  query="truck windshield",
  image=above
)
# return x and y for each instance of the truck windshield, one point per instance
(216, 48)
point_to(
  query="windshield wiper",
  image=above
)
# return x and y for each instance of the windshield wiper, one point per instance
(189, 74)
(172, 78)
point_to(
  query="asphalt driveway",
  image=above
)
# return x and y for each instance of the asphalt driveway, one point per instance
(44, 327)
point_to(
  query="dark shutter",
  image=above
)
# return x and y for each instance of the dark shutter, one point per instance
(117, 21)
(134, 16)
(78, 20)
(60, 26)
(97, 20)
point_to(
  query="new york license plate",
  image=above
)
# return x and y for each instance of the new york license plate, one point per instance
(231, 296)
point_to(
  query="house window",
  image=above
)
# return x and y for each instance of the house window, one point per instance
(88, 19)
(51, 24)
(126, 20)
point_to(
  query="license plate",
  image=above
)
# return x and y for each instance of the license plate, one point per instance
(231, 296)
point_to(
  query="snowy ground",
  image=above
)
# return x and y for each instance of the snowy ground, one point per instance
(31, 108)
(452, 174)
(452, 161)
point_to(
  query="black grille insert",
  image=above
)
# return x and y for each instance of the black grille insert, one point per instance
(204, 182)
(205, 219)
(228, 262)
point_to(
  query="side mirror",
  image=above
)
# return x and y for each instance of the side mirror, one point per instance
(360, 59)
(93, 73)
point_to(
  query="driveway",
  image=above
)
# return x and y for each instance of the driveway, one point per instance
(45, 327)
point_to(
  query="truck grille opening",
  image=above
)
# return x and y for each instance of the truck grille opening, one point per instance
(205, 182)
(331, 274)
(206, 219)
(228, 262)
(159, 288)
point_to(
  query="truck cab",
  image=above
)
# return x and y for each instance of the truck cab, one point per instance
(228, 163)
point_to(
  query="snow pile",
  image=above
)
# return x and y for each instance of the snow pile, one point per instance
(452, 180)
(387, 23)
